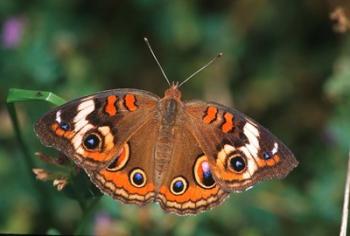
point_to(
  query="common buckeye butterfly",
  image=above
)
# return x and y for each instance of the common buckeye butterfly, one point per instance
(140, 148)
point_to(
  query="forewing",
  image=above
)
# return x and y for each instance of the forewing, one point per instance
(107, 119)
(241, 152)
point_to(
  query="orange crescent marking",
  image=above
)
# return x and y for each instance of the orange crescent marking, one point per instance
(60, 132)
(276, 158)
(98, 156)
(54, 126)
(121, 180)
(273, 161)
(122, 157)
(270, 162)
(199, 171)
(228, 125)
(231, 176)
(261, 162)
(121, 160)
(110, 105)
(210, 115)
(193, 193)
(130, 101)
(69, 134)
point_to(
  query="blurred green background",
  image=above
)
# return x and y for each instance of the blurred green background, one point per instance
(286, 63)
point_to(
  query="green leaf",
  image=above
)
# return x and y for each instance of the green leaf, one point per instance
(23, 95)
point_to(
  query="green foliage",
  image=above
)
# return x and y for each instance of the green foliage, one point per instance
(283, 65)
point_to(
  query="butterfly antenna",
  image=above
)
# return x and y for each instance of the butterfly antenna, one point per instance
(155, 58)
(202, 68)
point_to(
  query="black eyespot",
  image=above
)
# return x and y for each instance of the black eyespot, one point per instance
(138, 178)
(267, 155)
(208, 179)
(64, 125)
(92, 141)
(202, 173)
(178, 186)
(237, 163)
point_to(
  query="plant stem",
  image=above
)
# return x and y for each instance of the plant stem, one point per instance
(42, 192)
(87, 213)
(21, 95)
(344, 222)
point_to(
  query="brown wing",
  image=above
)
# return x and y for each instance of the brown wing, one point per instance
(187, 185)
(130, 176)
(92, 130)
(240, 151)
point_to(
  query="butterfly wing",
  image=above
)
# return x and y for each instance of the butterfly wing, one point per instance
(94, 129)
(187, 184)
(240, 151)
(130, 176)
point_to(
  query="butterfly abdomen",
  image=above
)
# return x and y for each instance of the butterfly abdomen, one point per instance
(168, 110)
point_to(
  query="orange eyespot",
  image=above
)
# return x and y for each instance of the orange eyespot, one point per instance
(202, 173)
(120, 161)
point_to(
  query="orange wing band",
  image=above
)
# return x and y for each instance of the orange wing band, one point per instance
(60, 132)
(210, 115)
(130, 102)
(110, 107)
(229, 124)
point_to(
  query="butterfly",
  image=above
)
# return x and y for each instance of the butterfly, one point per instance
(185, 155)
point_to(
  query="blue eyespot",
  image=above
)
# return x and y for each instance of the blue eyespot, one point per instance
(202, 173)
(237, 163)
(91, 141)
(137, 178)
(64, 125)
(267, 155)
(208, 179)
(178, 186)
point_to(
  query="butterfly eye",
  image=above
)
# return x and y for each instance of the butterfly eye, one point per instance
(92, 141)
(138, 178)
(178, 186)
(202, 173)
(237, 163)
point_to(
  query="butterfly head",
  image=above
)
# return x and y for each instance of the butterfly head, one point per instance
(173, 91)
